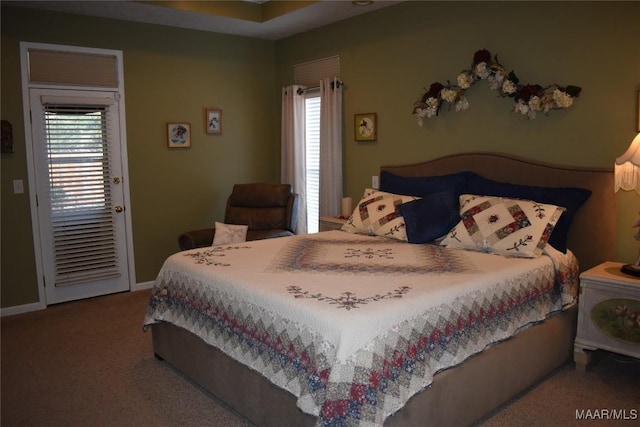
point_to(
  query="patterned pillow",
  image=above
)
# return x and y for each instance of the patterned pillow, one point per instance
(511, 227)
(377, 214)
(229, 233)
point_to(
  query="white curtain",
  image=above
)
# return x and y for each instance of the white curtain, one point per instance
(330, 147)
(293, 155)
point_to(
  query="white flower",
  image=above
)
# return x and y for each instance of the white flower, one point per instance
(494, 84)
(462, 104)
(481, 70)
(495, 80)
(534, 103)
(431, 111)
(562, 99)
(508, 87)
(432, 102)
(521, 108)
(546, 99)
(448, 95)
(464, 80)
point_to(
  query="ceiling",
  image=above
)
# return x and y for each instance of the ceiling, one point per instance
(264, 19)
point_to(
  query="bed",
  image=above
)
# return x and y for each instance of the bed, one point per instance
(372, 364)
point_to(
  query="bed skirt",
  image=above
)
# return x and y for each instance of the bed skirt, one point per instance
(479, 385)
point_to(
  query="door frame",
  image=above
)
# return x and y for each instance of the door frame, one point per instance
(31, 172)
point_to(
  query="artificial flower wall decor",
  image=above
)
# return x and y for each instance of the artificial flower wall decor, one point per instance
(530, 99)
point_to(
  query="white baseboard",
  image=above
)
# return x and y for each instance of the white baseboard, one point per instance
(142, 286)
(20, 309)
(26, 308)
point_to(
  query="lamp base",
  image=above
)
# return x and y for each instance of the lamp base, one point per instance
(631, 269)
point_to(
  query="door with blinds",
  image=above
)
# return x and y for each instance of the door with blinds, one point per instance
(80, 197)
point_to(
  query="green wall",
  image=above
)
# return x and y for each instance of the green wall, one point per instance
(387, 58)
(170, 75)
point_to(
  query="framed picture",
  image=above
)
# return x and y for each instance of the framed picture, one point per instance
(365, 126)
(638, 111)
(179, 135)
(213, 120)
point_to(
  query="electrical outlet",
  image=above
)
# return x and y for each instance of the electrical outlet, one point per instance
(18, 186)
(375, 182)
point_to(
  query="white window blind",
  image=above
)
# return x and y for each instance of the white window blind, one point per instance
(312, 141)
(77, 138)
(310, 73)
(76, 68)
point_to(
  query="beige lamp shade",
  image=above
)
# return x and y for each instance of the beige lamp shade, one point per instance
(627, 168)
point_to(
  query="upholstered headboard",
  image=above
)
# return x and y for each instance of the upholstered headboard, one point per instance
(592, 234)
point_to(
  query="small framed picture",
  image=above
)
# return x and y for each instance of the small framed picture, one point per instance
(365, 126)
(638, 111)
(213, 120)
(179, 135)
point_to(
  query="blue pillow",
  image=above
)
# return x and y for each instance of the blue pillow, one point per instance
(423, 186)
(570, 198)
(431, 217)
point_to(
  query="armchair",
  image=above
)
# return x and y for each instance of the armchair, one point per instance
(269, 210)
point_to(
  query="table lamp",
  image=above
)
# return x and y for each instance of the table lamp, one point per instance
(627, 177)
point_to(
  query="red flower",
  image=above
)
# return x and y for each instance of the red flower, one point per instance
(434, 90)
(526, 92)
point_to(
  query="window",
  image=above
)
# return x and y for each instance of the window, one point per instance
(310, 75)
(78, 157)
(82, 217)
(312, 149)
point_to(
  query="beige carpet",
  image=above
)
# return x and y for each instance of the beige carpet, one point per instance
(88, 363)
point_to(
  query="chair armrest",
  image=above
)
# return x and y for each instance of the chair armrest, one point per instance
(196, 239)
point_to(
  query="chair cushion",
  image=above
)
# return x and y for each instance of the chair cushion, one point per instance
(260, 206)
(257, 218)
(260, 195)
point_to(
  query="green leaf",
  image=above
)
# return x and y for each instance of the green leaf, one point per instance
(573, 91)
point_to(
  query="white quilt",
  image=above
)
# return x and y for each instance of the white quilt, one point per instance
(355, 325)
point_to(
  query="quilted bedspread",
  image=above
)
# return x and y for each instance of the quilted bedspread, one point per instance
(355, 325)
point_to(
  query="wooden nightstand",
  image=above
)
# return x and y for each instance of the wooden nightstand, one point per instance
(608, 313)
(328, 223)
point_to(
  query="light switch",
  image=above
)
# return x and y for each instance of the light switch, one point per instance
(18, 186)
